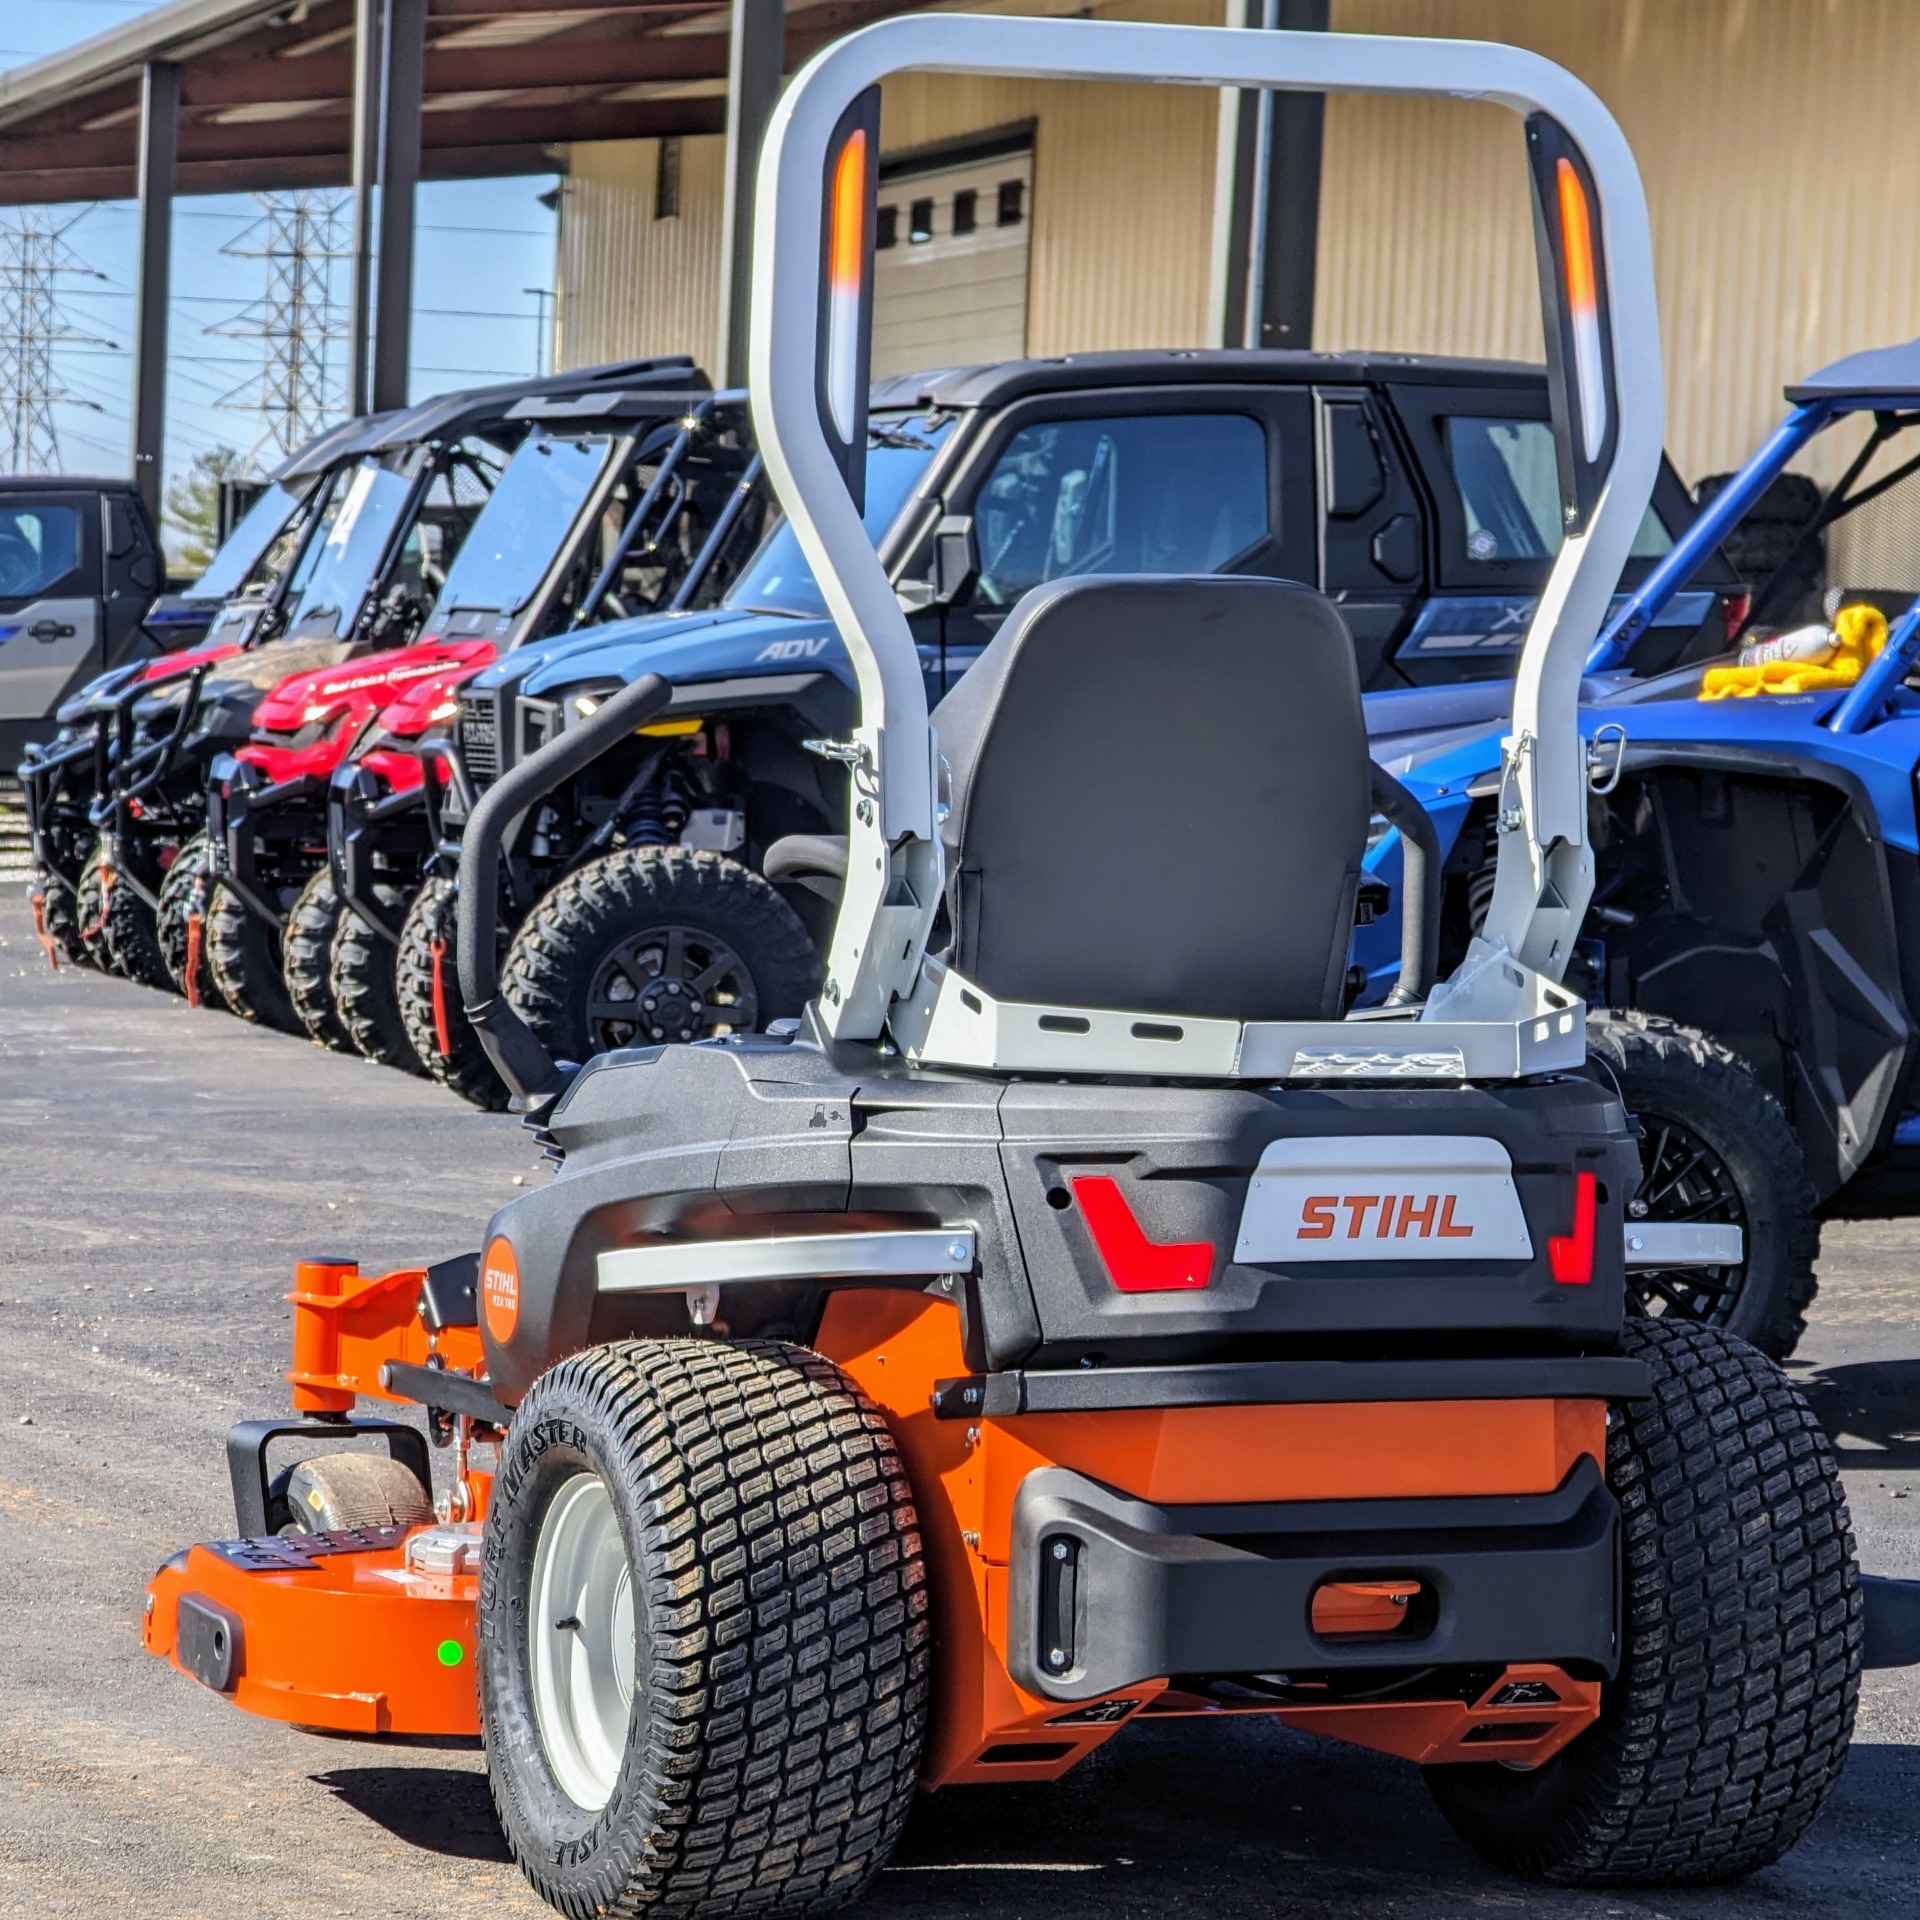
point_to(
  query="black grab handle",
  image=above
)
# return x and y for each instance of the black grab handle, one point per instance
(517, 1055)
(1419, 888)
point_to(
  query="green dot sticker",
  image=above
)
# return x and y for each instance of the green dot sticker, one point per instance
(450, 1653)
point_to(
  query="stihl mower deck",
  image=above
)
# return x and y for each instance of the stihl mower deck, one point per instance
(1073, 1319)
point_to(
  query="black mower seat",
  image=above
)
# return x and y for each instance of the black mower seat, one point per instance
(1160, 796)
(1159, 800)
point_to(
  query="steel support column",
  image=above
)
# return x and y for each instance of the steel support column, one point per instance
(756, 58)
(1273, 223)
(159, 143)
(406, 39)
(367, 65)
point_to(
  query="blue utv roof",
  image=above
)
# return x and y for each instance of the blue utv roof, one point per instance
(1886, 374)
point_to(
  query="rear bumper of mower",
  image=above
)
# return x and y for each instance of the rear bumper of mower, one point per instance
(1106, 1591)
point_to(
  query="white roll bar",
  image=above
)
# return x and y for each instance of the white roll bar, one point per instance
(894, 873)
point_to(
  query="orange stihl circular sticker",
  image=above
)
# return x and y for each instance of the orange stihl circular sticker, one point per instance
(500, 1290)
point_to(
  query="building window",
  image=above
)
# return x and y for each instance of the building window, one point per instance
(666, 179)
(886, 228)
(966, 210)
(920, 223)
(1012, 203)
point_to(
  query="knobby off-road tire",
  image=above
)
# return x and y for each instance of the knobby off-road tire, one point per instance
(243, 951)
(464, 1067)
(1715, 1146)
(780, 1631)
(171, 923)
(1741, 1643)
(61, 918)
(90, 927)
(306, 948)
(361, 981)
(657, 944)
(133, 939)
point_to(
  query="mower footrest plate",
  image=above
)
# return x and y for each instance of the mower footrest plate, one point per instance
(330, 1630)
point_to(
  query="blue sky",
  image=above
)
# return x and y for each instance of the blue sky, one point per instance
(480, 244)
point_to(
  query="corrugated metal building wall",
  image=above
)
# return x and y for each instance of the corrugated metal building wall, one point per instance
(1776, 136)
(1780, 150)
(1122, 212)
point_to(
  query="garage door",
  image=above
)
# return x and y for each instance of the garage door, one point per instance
(950, 263)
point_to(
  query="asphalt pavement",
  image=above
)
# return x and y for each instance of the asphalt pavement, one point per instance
(161, 1170)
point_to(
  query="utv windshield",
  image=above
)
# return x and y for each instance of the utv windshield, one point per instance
(342, 558)
(519, 532)
(778, 579)
(229, 569)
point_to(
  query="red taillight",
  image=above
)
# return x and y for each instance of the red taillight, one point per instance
(1572, 1254)
(1734, 610)
(1134, 1263)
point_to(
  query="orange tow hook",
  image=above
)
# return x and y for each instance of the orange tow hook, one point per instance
(437, 947)
(106, 897)
(48, 945)
(195, 921)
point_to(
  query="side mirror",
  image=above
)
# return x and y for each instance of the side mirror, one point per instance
(956, 558)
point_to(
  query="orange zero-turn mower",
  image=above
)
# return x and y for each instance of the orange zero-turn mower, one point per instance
(1077, 1319)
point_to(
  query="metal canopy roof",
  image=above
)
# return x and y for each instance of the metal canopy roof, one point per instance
(267, 85)
(1889, 374)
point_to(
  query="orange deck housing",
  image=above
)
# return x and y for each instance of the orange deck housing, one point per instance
(358, 1642)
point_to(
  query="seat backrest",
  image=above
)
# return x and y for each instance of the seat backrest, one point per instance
(1159, 800)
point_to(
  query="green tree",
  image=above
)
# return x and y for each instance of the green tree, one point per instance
(192, 509)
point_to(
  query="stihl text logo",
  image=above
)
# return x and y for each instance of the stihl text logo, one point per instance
(1381, 1216)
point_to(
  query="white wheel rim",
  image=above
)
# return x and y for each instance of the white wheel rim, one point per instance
(581, 1641)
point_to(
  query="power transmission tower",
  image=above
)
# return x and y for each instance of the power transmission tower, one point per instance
(34, 260)
(299, 386)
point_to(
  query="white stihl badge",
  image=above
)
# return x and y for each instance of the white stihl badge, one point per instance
(1382, 1197)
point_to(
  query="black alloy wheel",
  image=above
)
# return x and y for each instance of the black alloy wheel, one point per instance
(672, 983)
(1683, 1179)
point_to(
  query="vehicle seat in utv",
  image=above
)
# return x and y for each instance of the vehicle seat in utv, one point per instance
(1159, 800)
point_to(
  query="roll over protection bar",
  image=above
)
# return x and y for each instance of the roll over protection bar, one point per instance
(531, 1073)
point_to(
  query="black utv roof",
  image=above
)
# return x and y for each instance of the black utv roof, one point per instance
(347, 441)
(63, 483)
(1888, 374)
(450, 416)
(1004, 380)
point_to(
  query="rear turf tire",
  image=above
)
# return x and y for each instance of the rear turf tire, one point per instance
(361, 972)
(177, 892)
(307, 961)
(657, 944)
(464, 1067)
(734, 1519)
(1715, 1145)
(243, 952)
(1728, 1725)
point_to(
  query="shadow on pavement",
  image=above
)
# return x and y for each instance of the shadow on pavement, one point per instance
(439, 1809)
(1888, 1190)
(1233, 1822)
(1870, 1410)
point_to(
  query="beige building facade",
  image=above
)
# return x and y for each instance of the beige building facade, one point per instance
(1777, 138)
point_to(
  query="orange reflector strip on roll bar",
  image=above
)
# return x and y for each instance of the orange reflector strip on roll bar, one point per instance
(1583, 306)
(846, 266)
